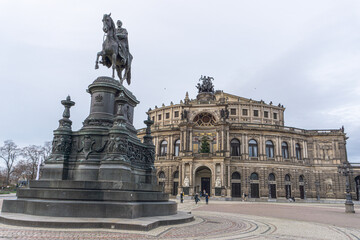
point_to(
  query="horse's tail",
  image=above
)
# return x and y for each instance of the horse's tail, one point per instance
(128, 78)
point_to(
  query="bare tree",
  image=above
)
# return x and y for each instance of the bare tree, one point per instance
(9, 153)
(32, 155)
(22, 170)
(45, 153)
(2, 177)
(46, 150)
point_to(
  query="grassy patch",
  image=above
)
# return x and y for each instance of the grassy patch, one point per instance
(7, 192)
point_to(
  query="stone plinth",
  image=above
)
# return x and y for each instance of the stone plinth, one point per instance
(349, 208)
(101, 171)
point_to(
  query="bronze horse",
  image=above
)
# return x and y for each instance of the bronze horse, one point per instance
(110, 53)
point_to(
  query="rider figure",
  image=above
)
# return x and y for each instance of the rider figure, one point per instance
(122, 37)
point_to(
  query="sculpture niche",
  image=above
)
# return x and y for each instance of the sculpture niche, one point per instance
(115, 50)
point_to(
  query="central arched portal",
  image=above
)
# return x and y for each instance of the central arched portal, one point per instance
(203, 180)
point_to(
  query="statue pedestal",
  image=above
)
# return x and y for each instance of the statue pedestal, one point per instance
(101, 171)
(349, 208)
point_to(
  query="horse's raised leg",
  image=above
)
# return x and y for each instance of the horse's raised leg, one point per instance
(97, 60)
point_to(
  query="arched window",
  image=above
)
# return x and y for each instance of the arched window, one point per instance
(271, 177)
(235, 175)
(269, 149)
(287, 186)
(204, 119)
(177, 147)
(287, 178)
(163, 148)
(176, 174)
(298, 151)
(235, 185)
(254, 176)
(253, 148)
(302, 187)
(284, 150)
(161, 175)
(235, 147)
(301, 178)
(272, 185)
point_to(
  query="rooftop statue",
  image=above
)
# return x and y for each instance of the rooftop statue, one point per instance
(206, 85)
(115, 49)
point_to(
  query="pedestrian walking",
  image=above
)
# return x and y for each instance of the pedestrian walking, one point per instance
(182, 197)
(197, 199)
(207, 198)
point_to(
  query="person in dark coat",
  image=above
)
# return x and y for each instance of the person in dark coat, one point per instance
(207, 198)
(181, 197)
(197, 199)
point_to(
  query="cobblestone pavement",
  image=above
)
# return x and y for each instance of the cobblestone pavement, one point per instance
(224, 220)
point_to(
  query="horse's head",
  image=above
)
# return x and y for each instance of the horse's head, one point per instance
(108, 23)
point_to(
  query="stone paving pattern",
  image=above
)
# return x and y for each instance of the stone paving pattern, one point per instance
(226, 220)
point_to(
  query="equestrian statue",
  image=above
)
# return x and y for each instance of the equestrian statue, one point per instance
(115, 49)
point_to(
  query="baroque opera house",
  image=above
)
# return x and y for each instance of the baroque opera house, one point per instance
(229, 146)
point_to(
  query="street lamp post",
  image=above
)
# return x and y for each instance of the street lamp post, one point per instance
(317, 184)
(346, 171)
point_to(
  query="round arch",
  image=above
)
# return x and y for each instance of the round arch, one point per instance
(272, 185)
(302, 186)
(175, 185)
(287, 179)
(235, 185)
(204, 119)
(203, 179)
(254, 185)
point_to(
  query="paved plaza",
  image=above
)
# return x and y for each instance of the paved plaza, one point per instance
(226, 220)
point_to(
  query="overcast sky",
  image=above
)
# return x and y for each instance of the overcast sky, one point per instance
(302, 54)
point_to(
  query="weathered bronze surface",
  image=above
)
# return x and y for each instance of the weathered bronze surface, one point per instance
(115, 49)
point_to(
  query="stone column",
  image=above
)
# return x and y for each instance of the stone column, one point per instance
(261, 148)
(292, 149)
(185, 140)
(191, 175)
(246, 147)
(222, 172)
(56, 167)
(171, 147)
(228, 140)
(190, 141)
(181, 141)
(222, 139)
(180, 178)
